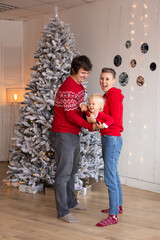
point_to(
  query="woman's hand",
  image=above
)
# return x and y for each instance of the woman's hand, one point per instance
(100, 126)
(95, 128)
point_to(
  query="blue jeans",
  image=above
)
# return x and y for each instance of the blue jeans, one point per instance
(111, 148)
(67, 156)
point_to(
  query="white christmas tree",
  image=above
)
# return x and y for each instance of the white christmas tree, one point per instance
(91, 164)
(32, 158)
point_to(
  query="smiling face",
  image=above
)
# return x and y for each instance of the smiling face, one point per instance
(81, 76)
(94, 106)
(106, 81)
(95, 103)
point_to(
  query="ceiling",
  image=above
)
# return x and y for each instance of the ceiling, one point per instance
(24, 10)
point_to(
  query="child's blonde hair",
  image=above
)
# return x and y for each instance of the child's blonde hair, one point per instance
(99, 99)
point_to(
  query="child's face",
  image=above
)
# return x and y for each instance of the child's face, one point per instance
(94, 106)
(106, 81)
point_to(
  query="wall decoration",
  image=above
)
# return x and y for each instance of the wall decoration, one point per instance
(153, 66)
(144, 48)
(128, 44)
(140, 81)
(133, 63)
(117, 60)
(123, 79)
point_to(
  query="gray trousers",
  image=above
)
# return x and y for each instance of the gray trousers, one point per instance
(67, 156)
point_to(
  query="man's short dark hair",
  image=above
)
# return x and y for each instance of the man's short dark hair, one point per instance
(80, 61)
(109, 70)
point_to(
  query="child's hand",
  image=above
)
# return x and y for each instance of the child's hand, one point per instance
(83, 107)
(100, 125)
(91, 119)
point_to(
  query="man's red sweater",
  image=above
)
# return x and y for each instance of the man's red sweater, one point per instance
(67, 114)
(114, 107)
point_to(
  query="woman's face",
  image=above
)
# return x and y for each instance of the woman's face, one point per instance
(106, 81)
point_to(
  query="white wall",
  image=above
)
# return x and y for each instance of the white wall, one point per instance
(11, 76)
(32, 33)
(101, 30)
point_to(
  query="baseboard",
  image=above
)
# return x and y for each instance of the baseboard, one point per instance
(131, 182)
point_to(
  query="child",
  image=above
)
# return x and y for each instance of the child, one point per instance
(94, 112)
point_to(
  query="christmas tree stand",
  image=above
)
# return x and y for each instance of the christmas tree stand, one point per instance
(83, 192)
(49, 191)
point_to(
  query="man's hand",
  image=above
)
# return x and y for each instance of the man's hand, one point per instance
(91, 119)
(83, 107)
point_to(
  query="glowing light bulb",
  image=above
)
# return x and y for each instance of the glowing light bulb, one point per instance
(141, 159)
(131, 114)
(134, 5)
(15, 97)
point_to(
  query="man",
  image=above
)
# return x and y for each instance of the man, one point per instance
(67, 124)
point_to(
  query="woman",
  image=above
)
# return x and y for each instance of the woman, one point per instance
(111, 145)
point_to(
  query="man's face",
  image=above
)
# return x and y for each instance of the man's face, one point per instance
(81, 76)
(106, 81)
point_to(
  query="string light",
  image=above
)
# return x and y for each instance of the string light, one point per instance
(132, 17)
(144, 18)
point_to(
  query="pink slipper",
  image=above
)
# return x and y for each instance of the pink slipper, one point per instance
(112, 219)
